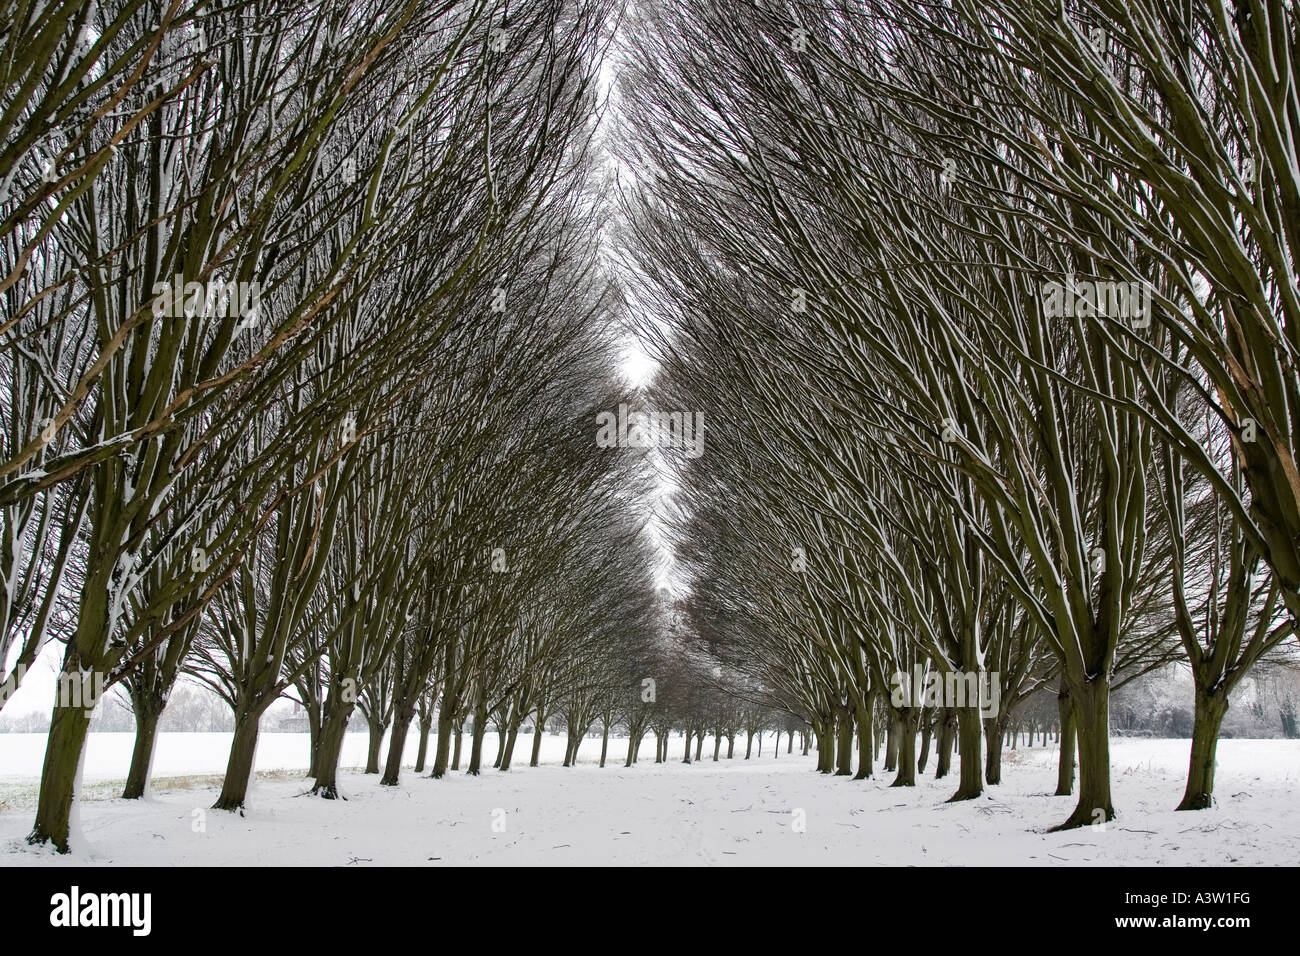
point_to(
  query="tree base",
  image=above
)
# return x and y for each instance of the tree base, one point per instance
(36, 838)
(1084, 817)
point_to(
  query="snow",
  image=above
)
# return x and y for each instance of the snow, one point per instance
(732, 812)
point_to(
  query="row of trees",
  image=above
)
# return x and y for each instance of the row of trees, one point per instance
(304, 333)
(994, 310)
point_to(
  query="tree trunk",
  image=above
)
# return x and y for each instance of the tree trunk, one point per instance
(396, 746)
(376, 727)
(331, 750)
(844, 743)
(969, 732)
(239, 768)
(1065, 760)
(824, 731)
(146, 737)
(993, 737)
(537, 744)
(1210, 711)
(604, 741)
(1092, 726)
(476, 745)
(313, 739)
(865, 745)
(443, 750)
(717, 745)
(731, 746)
(891, 742)
(60, 776)
(907, 720)
(749, 745)
(423, 752)
(501, 747)
(459, 738)
(927, 730)
(686, 755)
(511, 740)
(947, 730)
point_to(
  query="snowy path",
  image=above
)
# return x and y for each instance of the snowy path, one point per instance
(732, 812)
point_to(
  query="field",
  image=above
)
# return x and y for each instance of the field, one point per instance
(760, 811)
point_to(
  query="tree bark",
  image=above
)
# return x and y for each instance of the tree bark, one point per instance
(1210, 711)
(501, 747)
(476, 745)
(376, 727)
(891, 742)
(513, 738)
(331, 750)
(969, 734)
(423, 751)
(907, 720)
(947, 730)
(314, 721)
(59, 776)
(844, 743)
(146, 737)
(825, 747)
(865, 744)
(396, 745)
(1092, 726)
(536, 753)
(927, 730)
(239, 768)
(994, 734)
(443, 750)
(1065, 760)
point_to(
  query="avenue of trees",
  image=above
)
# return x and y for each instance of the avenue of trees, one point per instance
(303, 330)
(993, 308)
(308, 310)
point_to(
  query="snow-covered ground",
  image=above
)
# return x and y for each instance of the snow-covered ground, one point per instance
(761, 811)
